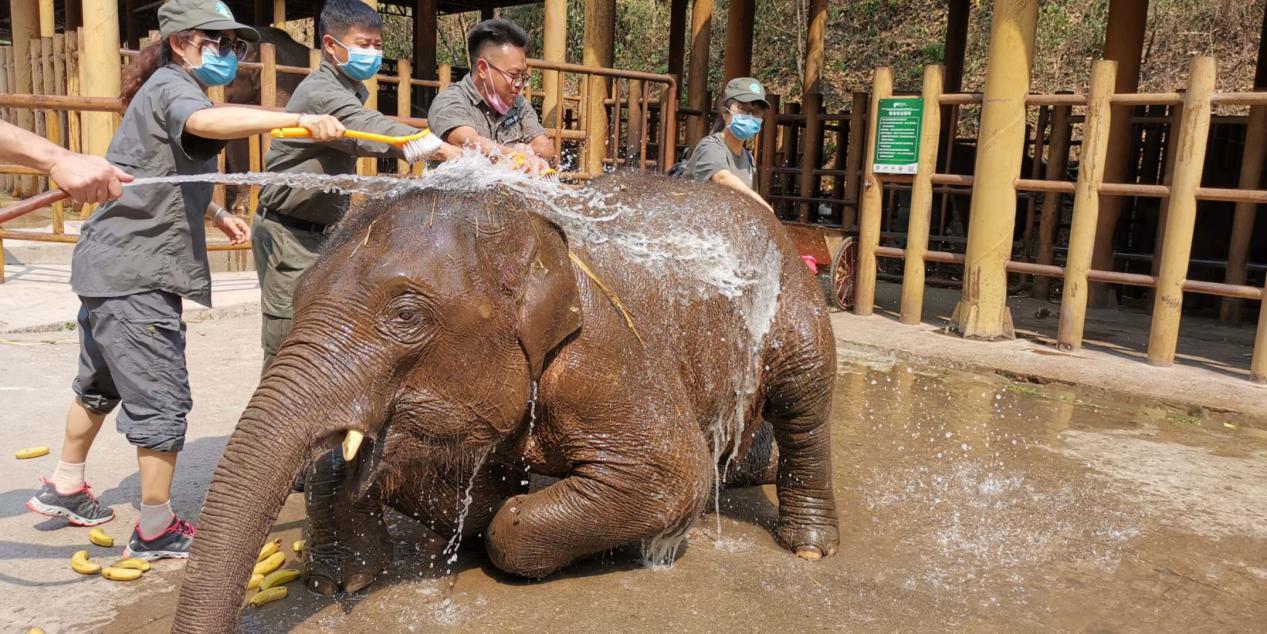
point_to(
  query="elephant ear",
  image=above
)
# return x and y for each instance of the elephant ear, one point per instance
(550, 309)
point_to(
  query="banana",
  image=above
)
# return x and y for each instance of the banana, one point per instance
(268, 549)
(273, 562)
(31, 452)
(134, 563)
(35, 630)
(121, 574)
(255, 582)
(100, 538)
(268, 596)
(279, 578)
(298, 546)
(80, 564)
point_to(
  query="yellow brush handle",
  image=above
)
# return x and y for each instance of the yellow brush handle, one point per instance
(302, 133)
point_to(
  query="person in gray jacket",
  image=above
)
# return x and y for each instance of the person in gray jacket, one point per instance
(722, 157)
(292, 223)
(141, 254)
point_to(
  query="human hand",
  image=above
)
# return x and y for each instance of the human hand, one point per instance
(88, 179)
(447, 152)
(323, 127)
(233, 227)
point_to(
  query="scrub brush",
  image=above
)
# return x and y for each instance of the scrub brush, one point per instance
(415, 146)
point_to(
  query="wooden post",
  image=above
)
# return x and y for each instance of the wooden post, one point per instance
(1086, 205)
(100, 65)
(668, 126)
(858, 114)
(1182, 214)
(982, 312)
(600, 24)
(922, 201)
(6, 180)
(1163, 203)
(739, 37)
(677, 38)
(1250, 178)
(792, 139)
(633, 129)
(1124, 44)
(1258, 364)
(268, 83)
(956, 47)
(74, 15)
(697, 77)
(1049, 216)
(24, 16)
(263, 12)
(131, 24)
(839, 161)
(768, 143)
(872, 201)
(279, 13)
(446, 76)
(812, 102)
(425, 21)
(73, 131)
(554, 49)
(52, 118)
(48, 23)
(404, 101)
(368, 166)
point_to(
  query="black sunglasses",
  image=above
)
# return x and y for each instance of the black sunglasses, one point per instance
(224, 45)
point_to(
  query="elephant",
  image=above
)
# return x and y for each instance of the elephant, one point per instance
(643, 339)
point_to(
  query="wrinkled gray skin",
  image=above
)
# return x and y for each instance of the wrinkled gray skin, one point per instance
(426, 324)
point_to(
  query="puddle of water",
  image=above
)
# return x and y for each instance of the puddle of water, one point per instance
(967, 502)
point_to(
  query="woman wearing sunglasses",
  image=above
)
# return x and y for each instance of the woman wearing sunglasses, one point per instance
(139, 255)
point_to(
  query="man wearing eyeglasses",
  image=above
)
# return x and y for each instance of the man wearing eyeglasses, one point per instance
(486, 110)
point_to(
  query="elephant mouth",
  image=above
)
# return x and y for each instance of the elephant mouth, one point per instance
(363, 455)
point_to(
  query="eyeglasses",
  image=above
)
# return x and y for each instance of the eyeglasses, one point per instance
(516, 81)
(224, 45)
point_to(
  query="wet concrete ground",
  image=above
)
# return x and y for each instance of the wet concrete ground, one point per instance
(967, 502)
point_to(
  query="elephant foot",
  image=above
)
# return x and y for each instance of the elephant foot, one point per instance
(810, 543)
(321, 584)
(349, 573)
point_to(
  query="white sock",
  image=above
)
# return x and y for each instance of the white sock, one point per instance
(155, 519)
(68, 478)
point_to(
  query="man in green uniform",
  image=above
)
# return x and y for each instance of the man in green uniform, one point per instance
(292, 224)
(486, 110)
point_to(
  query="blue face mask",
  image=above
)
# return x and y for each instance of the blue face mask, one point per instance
(216, 69)
(745, 126)
(363, 63)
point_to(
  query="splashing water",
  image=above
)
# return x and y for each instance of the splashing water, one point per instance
(464, 507)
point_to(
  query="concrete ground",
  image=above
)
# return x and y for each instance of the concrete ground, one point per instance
(970, 500)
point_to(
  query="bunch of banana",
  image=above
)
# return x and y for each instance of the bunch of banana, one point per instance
(273, 562)
(31, 452)
(255, 581)
(99, 538)
(80, 564)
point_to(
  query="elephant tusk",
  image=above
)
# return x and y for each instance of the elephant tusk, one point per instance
(351, 443)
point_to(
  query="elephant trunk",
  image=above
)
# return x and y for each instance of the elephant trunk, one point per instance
(289, 413)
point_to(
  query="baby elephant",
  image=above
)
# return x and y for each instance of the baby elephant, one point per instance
(630, 338)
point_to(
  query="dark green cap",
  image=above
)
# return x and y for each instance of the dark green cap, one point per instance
(207, 15)
(746, 90)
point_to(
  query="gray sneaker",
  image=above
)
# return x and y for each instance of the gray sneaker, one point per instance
(173, 543)
(80, 508)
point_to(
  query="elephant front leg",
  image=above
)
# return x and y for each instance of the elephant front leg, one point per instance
(652, 497)
(348, 542)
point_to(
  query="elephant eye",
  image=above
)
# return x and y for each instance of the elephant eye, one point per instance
(406, 316)
(403, 317)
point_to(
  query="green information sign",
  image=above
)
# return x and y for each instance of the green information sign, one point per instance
(897, 142)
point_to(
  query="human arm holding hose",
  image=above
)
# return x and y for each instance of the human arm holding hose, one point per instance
(233, 122)
(89, 179)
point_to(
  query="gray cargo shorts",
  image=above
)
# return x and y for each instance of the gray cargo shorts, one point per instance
(132, 350)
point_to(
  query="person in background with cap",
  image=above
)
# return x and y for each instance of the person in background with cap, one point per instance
(292, 224)
(722, 157)
(139, 255)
